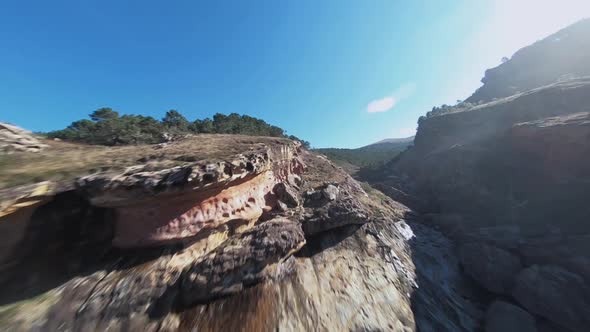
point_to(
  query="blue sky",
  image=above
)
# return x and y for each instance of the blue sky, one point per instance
(336, 73)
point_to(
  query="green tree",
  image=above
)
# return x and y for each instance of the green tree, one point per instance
(203, 126)
(106, 127)
(175, 121)
(103, 114)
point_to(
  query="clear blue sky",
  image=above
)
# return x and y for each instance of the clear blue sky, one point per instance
(311, 67)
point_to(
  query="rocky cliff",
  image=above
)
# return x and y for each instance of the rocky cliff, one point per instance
(216, 233)
(508, 181)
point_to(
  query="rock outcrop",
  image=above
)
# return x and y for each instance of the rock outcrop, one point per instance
(266, 237)
(241, 262)
(15, 139)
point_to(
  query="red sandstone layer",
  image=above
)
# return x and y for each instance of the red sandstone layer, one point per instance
(184, 216)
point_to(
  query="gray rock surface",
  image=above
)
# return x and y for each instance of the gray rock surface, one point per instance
(555, 294)
(493, 268)
(505, 317)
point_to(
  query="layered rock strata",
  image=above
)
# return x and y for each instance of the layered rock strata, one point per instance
(272, 238)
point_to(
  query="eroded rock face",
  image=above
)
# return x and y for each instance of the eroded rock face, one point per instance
(186, 215)
(228, 245)
(155, 207)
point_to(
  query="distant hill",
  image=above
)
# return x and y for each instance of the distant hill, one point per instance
(403, 140)
(561, 56)
(372, 155)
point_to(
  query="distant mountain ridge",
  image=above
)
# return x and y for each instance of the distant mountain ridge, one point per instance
(393, 140)
(372, 155)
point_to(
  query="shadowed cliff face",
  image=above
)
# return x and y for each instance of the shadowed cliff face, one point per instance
(508, 180)
(273, 237)
(505, 161)
(507, 175)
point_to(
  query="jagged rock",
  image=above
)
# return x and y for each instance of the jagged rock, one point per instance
(139, 181)
(323, 194)
(493, 268)
(242, 261)
(330, 192)
(555, 294)
(505, 317)
(286, 194)
(13, 139)
(176, 203)
(330, 207)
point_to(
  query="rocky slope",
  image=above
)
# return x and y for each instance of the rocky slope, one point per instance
(215, 233)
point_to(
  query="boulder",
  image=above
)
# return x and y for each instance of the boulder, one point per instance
(493, 268)
(556, 294)
(330, 192)
(329, 207)
(505, 317)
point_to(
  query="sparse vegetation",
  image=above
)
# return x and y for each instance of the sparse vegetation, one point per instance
(107, 127)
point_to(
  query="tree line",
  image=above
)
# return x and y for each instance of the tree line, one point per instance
(107, 127)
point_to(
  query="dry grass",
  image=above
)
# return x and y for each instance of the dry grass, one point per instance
(63, 161)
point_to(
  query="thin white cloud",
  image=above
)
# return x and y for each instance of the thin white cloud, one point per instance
(388, 102)
(381, 105)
